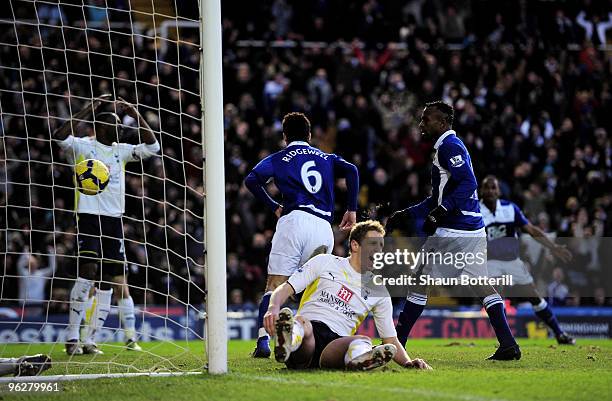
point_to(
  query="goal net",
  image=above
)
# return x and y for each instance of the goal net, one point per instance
(56, 58)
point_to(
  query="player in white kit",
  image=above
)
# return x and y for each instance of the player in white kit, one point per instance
(101, 256)
(334, 303)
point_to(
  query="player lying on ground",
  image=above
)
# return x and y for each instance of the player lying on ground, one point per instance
(322, 334)
(32, 365)
(454, 224)
(305, 176)
(99, 222)
(503, 220)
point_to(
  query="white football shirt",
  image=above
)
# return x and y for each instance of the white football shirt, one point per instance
(333, 295)
(111, 201)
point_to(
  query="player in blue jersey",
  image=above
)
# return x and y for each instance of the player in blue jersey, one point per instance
(305, 176)
(454, 225)
(503, 221)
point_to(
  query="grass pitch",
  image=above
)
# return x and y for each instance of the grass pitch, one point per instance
(546, 372)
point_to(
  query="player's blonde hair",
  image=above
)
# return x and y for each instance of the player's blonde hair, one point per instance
(359, 230)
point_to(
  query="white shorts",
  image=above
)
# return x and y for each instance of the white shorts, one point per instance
(516, 268)
(458, 243)
(298, 237)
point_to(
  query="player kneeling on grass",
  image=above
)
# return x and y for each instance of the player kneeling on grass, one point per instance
(332, 308)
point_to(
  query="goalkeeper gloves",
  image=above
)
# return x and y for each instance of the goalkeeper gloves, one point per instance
(433, 220)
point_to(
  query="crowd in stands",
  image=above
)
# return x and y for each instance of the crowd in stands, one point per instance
(530, 83)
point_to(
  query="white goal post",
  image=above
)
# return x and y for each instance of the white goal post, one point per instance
(211, 82)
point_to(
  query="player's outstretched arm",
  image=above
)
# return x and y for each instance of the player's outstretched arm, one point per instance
(50, 270)
(409, 221)
(22, 263)
(402, 358)
(559, 251)
(398, 220)
(280, 295)
(69, 125)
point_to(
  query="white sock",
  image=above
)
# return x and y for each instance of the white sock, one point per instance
(99, 314)
(128, 319)
(541, 306)
(297, 336)
(357, 348)
(78, 303)
(262, 333)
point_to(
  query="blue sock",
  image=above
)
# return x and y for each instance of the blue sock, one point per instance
(494, 306)
(543, 311)
(413, 307)
(262, 336)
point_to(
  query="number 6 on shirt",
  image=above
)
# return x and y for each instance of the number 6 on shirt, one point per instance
(306, 174)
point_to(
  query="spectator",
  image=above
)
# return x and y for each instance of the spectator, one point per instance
(452, 25)
(319, 91)
(563, 32)
(600, 299)
(595, 24)
(282, 13)
(273, 89)
(557, 290)
(237, 303)
(33, 278)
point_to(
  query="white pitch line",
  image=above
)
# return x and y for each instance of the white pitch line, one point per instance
(396, 390)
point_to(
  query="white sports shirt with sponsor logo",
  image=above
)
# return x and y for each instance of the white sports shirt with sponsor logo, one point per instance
(110, 202)
(332, 295)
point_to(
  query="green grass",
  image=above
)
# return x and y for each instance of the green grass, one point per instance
(546, 372)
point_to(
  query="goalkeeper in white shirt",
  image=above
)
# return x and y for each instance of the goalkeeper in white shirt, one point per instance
(101, 255)
(333, 305)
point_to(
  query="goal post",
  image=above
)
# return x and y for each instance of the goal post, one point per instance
(211, 84)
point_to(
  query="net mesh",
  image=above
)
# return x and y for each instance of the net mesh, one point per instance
(54, 58)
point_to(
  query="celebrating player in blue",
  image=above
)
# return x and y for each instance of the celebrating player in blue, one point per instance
(305, 176)
(503, 220)
(454, 224)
